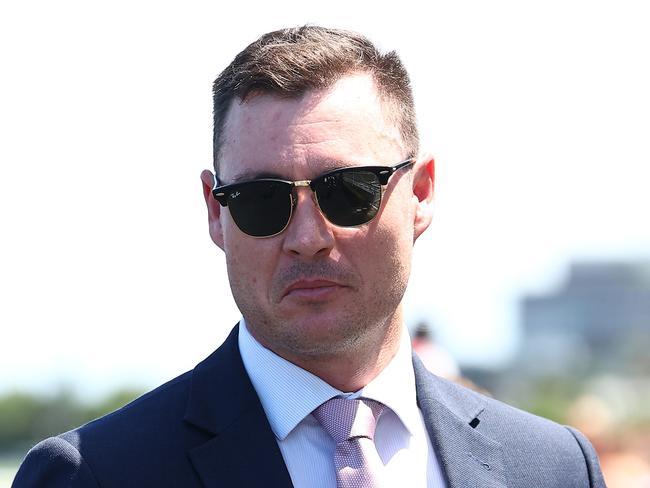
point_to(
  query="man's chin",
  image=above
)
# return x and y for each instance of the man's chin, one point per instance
(318, 340)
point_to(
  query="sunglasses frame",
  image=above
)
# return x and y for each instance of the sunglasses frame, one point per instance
(221, 193)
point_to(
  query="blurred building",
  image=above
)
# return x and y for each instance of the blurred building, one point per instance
(584, 360)
(598, 320)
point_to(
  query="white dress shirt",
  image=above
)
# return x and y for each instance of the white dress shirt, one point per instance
(289, 394)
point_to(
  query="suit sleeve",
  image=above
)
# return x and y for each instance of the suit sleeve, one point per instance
(596, 479)
(54, 463)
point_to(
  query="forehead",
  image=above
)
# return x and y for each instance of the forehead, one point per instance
(300, 137)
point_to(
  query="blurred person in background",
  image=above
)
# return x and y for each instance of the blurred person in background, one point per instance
(434, 357)
(319, 193)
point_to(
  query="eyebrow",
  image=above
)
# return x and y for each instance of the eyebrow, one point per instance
(255, 175)
(327, 166)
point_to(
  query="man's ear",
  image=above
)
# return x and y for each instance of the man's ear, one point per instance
(214, 208)
(424, 173)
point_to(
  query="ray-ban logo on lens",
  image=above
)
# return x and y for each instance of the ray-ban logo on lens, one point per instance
(234, 194)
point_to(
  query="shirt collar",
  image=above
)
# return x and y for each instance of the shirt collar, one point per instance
(289, 393)
(395, 386)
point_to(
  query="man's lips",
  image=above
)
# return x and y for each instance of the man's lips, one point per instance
(313, 288)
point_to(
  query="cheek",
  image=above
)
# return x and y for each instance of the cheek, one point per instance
(381, 254)
(249, 262)
(391, 249)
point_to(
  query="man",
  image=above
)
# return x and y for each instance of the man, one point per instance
(318, 196)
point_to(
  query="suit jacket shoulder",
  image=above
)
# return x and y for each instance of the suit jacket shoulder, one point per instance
(484, 442)
(189, 432)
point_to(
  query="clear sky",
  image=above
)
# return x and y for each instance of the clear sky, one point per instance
(538, 114)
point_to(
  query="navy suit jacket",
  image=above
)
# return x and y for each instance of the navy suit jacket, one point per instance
(207, 428)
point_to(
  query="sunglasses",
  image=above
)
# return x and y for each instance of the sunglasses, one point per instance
(347, 197)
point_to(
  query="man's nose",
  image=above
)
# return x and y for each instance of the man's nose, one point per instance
(309, 233)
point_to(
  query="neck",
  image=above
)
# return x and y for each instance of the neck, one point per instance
(352, 369)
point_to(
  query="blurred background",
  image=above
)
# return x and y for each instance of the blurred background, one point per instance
(532, 284)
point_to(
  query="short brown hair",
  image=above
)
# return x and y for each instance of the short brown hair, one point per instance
(289, 62)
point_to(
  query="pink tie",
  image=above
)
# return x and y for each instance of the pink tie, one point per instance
(351, 423)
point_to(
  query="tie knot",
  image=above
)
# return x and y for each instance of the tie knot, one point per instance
(345, 419)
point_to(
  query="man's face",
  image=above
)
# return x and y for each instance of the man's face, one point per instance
(316, 289)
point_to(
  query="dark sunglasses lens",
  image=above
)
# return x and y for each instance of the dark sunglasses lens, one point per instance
(260, 208)
(349, 197)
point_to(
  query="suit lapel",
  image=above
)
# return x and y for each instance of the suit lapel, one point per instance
(467, 457)
(243, 451)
